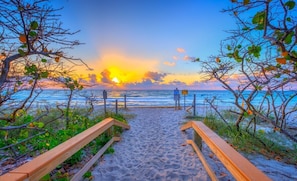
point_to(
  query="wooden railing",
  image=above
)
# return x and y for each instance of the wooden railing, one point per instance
(46, 162)
(239, 166)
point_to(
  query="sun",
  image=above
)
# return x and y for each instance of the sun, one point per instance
(116, 80)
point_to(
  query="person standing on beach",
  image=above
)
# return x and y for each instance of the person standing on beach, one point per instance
(176, 98)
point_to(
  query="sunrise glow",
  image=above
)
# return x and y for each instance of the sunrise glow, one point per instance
(116, 80)
(124, 53)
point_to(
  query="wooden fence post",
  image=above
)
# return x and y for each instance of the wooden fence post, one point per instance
(125, 101)
(116, 106)
(194, 105)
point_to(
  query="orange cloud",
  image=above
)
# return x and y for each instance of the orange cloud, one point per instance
(155, 76)
(170, 64)
(106, 78)
(186, 78)
(189, 58)
(180, 50)
(175, 58)
(125, 68)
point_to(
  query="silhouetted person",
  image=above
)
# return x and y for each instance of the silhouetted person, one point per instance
(176, 98)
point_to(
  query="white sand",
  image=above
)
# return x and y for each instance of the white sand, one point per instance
(154, 149)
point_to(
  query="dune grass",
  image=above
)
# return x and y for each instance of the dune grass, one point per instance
(271, 144)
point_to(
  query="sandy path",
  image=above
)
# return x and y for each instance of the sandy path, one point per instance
(153, 149)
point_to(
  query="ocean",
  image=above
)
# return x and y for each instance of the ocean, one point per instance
(142, 98)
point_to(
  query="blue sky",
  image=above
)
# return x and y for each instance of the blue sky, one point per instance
(145, 43)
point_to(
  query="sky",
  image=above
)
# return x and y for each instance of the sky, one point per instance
(146, 44)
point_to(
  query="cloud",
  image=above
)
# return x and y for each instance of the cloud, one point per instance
(106, 76)
(180, 50)
(156, 76)
(146, 84)
(175, 58)
(126, 68)
(92, 78)
(170, 64)
(186, 58)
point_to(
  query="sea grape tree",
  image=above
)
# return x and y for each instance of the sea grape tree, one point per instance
(33, 47)
(259, 60)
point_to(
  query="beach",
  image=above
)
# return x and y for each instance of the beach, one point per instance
(155, 149)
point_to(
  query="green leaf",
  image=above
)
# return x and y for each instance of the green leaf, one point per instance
(43, 60)
(44, 74)
(277, 75)
(279, 34)
(40, 124)
(259, 18)
(258, 87)
(24, 133)
(46, 177)
(34, 25)
(229, 47)
(287, 57)
(32, 33)
(21, 52)
(238, 60)
(289, 19)
(260, 27)
(254, 50)
(290, 4)
(294, 53)
(88, 174)
(230, 55)
(23, 45)
(288, 39)
(245, 2)
(245, 28)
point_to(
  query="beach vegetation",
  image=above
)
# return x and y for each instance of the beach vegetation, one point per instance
(33, 54)
(88, 175)
(257, 65)
(38, 137)
(270, 144)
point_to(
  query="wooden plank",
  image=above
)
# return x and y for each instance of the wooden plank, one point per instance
(238, 165)
(186, 126)
(79, 175)
(48, 161)
(207, 167)
(121, 124)
(13, 177)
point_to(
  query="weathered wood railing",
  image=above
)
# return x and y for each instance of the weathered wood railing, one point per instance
(45, 163)
(239, 166)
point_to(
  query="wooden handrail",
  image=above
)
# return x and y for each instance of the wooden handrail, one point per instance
(239, 166)
(207, 167)
(46, 162)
